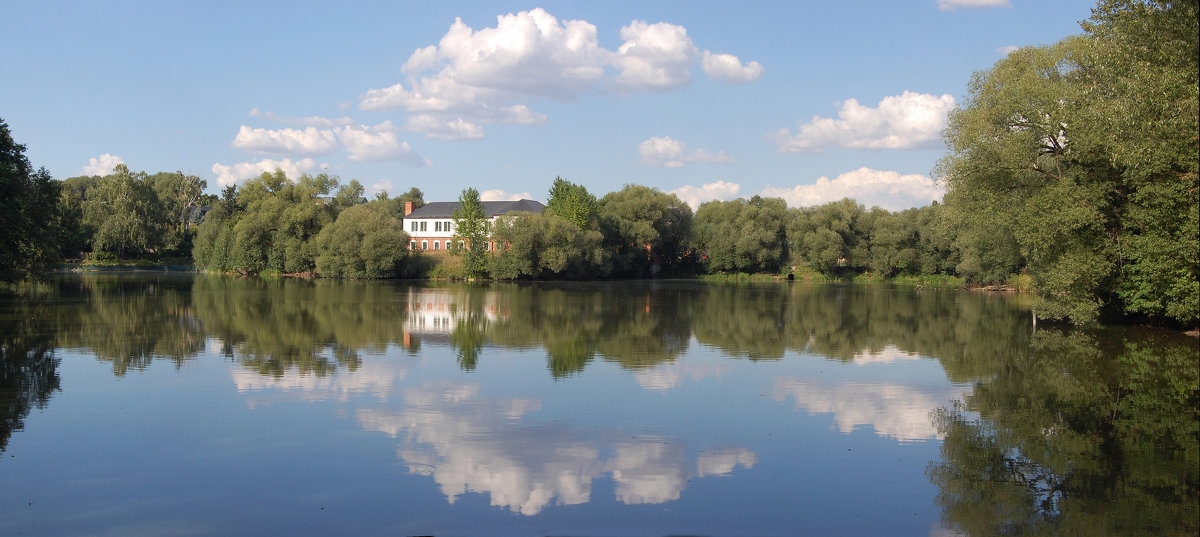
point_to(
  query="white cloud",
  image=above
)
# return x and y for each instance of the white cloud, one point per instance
(666, 152)
(374, 144)
(654, 57)
(906, 121)
(729, 68)
(232, 174)
(500, 195)
(950, 5)
(310, 121)
(1005, 51)
(478, 77)
(310, 141)
(380, 186)
(695, 196)
(887, 189)
(102, 165)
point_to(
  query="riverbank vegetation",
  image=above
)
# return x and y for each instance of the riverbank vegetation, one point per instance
(1072, 173)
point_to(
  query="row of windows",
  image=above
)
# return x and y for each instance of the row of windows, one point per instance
(437, 226)
(437, 245)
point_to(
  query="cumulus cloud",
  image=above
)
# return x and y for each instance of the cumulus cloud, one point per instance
(666, 152)
(361, 142)
(1005, 51)
(906, 121)
(950, 5)
(234, 173)
(310, 141)
(102, 165)
(310, 121)
(886, 189)
(471, 77)
(500, 195)
(729, 68)
(695, 196)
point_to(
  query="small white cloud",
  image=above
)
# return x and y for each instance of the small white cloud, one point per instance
(310, 121)
(435, 127)
(500, 195)
(695, 196)
(872, 188)
(1005, 51)
(310, 141)
(234, 173)
(950, 5)
(379, 143)
(906, 121)
(380, 186)
(729, 68)
(666, 152)
(102, 165)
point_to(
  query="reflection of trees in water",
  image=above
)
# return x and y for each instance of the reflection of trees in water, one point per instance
(1080, 434)
(28, 368)
(635, 325)
(129, 320)
(275, 325)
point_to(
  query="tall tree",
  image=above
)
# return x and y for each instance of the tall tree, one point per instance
(28, 231)
(649, 230)
(573, 202)
(471, 231)
(1086, 151)
(126, 213)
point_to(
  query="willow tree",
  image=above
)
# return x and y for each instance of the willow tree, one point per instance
(1085, 152)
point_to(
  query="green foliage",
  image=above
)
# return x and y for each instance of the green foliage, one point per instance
(366, 241)
(1062, 162)
(471, 230)
(740, 235)
(573, 202)
(269, 225)
(648, 231)
(29, 236)
(546, 246)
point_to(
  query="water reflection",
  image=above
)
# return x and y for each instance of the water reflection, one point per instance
(469, 443)
(28, 366)
(1082, 434)
(894, 410)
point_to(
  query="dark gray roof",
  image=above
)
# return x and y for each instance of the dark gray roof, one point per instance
(445, 209)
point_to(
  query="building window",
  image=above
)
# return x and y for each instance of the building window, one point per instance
(446, 226)
(412, 245)
(422, 226)
(435, 245)
(414, 226)
(437, 226)
(424, 245)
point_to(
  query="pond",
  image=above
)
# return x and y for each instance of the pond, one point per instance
(182, 404)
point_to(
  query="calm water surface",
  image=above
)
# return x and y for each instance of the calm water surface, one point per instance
(174, 404)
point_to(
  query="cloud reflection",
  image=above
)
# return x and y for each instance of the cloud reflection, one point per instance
(473, 444)
(671, 375)
(894, 410)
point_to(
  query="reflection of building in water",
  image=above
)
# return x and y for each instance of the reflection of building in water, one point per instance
(435, 313)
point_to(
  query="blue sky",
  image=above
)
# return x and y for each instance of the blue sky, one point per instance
(809, 101)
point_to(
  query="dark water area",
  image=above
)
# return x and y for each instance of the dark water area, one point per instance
(182, 404)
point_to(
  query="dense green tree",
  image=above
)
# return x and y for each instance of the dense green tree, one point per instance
(180, 197)
(1097, 183)
(366, 241)
(546, 246)
(125, 211)
(471, 233)
(573, 202)
(648, 230)
(29, 237)
(741, 235)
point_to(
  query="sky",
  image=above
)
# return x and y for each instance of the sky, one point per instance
(807, 101)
